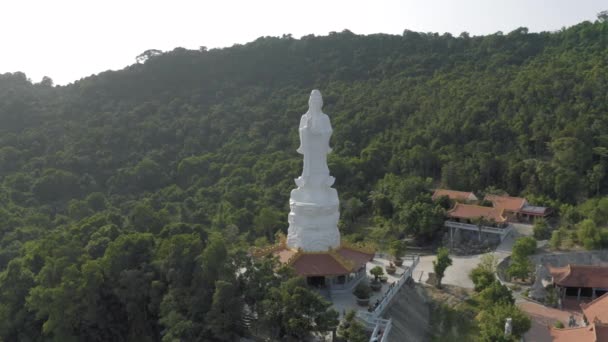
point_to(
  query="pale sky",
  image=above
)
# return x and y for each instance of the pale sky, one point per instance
(67, 40)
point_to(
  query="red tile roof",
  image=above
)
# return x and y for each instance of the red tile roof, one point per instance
(359, 258)
(342, 261)
(454, 195)
(580, 276)
(592, 333)
(596, 310)
(468, 211)
(308, 265)
(506, 202)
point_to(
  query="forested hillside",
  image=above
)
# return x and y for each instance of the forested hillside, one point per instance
(128, 198)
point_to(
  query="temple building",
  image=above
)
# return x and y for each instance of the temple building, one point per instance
(596, 332)
(469, 213)
(313, 246)
(596, 315)
(596, 310)
(580, 281)
(517, 208)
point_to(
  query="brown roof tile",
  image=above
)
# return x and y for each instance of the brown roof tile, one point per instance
(359, 258)
(318, 265)
(506, 202)
(581, 334)
(580, 276)
(285, 254)
(468, 211)
(454, 195)
(596, 310)
(324, 264)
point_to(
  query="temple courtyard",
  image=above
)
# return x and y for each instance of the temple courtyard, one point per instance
(346, 301)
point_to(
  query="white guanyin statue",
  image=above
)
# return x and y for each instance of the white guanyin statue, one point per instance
(314, 215)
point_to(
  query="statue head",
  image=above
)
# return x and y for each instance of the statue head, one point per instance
(315, 102)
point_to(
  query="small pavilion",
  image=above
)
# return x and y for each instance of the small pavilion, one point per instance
(336, 270)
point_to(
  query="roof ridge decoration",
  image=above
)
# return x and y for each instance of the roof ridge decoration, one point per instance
(257, 252)
(347, 264)
(294, 257)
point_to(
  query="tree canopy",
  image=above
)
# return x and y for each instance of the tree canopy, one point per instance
(128, 198)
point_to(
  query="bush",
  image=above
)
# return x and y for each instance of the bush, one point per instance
(483, 274)
(491, 322)
(524, 247)
(557, 238)
(481, 278)
(496, 293)
(541, 229)
(377, 272)
(439, 266)
(362, 291)
(588, 234)
(521, 267)
(559, 325)
(397, 248)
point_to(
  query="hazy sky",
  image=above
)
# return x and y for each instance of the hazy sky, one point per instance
(68, 40)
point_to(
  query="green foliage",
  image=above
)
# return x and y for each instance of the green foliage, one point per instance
(442, 262)
(559, 325)
(115, 188)
(491, 322)
(524, 247)
(541, 229)
(397, 248)
(351, 329)
(496, 293)
(552, 298)
(557, 238)
(377, 272)
(481, 278)
(356, 333)
(224, 316)
(362, 291)
(520, 266)
(294, 310)
(588, 234)
(483, 274)
(267, 222)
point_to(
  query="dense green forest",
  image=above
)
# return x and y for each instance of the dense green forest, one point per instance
(128, 199)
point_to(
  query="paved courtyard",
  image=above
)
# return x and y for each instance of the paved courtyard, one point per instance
(458, 273)
(344, 302)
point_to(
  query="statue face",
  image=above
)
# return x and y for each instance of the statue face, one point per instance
(315, 101)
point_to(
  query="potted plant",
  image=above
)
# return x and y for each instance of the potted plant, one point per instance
(377, 272)
(383, 279)
(362, 292)
(397, 249)
(391, 269)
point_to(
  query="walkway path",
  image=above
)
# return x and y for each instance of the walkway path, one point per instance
(458, 273)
